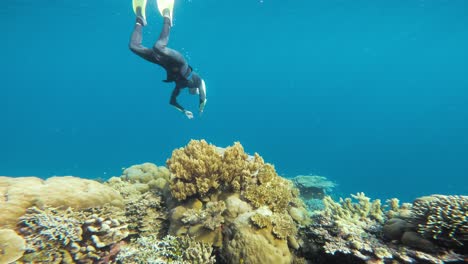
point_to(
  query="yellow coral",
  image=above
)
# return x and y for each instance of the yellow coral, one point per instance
(22, 193)
(283, 226)
(260, 220)
(276, 194)
(144, 173)
(12, 246)
(195, 169)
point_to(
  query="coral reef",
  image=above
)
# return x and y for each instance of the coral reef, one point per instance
(216, 188)
(145, 173)
(25, 192)
(242, 245)
(219, 203)
(171, 249)
(143, 203)
(398, 211)
(53, 235)
(12, 246)
(430, 223)
(210, 217)
(275, 193)
(349, 232)
(195, 168)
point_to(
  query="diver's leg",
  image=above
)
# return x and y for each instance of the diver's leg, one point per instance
(161, 48)
(136, 40)
(163, 39)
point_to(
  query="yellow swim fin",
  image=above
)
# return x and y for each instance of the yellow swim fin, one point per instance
(163, 4)
(142, 5)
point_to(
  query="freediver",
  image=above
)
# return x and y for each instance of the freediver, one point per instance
(176, 66)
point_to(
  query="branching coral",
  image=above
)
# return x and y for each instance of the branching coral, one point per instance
(54, 235)
(396, 210)
(171, 249)
(200, 168)
(144, 208)
(195, 168)
(354, 230)
(210, 175)
(50, 225)
(261, 220)
(359, 214)
(276, 194)
(443, 218)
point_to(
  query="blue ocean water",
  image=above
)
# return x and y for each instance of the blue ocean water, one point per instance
(371, 94)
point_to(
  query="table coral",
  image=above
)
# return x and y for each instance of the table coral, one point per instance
(313, 186)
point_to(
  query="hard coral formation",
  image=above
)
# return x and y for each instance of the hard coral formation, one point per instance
(361, 213)
(275, 193)
(348, 231)
(398, 211)
(148, 176)
(200, 168)
(210, 217)
(195, 168)
(254, 196)
(171, 249)
(244, 245)
(24, 192)
(143, 206)
(442, 218)
(54, 236)
(12, 246)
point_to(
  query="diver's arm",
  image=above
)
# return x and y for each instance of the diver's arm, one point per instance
(174, 103)
(202, 92)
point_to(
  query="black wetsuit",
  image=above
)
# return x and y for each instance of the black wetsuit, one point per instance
(172, 61)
